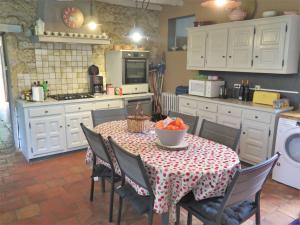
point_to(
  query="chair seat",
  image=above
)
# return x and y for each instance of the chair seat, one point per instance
(103, 171)
(208, 209)
(140, 203)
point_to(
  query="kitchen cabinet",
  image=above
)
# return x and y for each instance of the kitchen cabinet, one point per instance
(196, 49)
(269, 46)
(257, 123)
(216, 48)
(75, 136)
(240, 47)
(47, 134)
(266, 45)
(254, 141)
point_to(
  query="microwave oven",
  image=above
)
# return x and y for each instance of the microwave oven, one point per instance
(129, 70)
(205, 88)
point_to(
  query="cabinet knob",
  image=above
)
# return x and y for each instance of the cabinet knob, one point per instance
(223, 56)
(187, 103)
(206, 107)
(79, 108)
(256, 117)
(230, 56)
(256, 56)
(60, 126)
(278, 164)
(229, 112)
(244, 133)
(202, 57)
(46, 111)
(68, 125)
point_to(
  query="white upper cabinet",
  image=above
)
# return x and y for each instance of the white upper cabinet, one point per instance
(216, 51)
(240, 47)
(267, 45)
(196, 49)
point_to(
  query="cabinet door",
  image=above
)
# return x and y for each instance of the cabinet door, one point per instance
(196, 49)
(254, 141)
(47, 134)
(269, 46)
(75, 136)
(216, 48)
(240, 47)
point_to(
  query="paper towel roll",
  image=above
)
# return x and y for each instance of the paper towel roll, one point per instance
(37, 94)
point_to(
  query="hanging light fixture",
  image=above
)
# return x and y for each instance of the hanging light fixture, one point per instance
(136, 34)
(228, 4)
(92, 21)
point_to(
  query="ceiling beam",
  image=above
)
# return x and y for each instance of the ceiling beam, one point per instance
(131, 3)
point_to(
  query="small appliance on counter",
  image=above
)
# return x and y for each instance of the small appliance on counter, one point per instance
(205, 88)
(37, 94)
(96, 81)
(129, 70)
(265, 97)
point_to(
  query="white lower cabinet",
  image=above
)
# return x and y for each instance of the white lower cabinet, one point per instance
(257, 124)
(75, 136)
(47, 134)
(254, 141)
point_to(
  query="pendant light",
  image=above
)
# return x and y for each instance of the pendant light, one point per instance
(136, 34)
(228, 4)
(92, 21)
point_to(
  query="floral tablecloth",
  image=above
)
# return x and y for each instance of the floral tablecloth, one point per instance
(205, 167)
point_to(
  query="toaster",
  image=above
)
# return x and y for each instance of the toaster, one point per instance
(265, 97)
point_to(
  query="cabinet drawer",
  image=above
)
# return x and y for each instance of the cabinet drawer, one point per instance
(258, 116)
(79, 107)
(207, 116)
(188, 111)
(230, 111)
(44, 111)
(206, 106)
(109, 104)
(229, 121)
(187, 103)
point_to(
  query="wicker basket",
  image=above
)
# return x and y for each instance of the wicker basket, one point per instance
(137, 123)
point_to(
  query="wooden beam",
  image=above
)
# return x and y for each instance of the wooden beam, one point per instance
(131, 3)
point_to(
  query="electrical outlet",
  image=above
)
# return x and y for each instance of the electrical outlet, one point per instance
(236, 85)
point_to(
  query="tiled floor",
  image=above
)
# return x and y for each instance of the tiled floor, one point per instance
(56, 191)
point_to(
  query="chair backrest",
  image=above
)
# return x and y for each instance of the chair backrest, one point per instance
(219, 133)
(97, 144)
(131, 166)
(248, 182)
(102, 116)
(191, 121)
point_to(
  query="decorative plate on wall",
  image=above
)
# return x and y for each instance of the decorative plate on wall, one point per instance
(73, 17)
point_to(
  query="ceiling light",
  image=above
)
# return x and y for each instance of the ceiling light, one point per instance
(228, 4)
(92, 25)
(136, 35)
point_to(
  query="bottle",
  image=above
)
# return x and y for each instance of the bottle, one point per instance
(242, 91)
(247, 92)
(45, 89)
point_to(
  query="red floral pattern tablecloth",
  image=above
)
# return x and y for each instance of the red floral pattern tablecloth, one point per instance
(205, 168)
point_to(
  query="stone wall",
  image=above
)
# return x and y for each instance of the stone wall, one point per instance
(24, 58)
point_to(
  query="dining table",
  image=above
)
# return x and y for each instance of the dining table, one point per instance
(204, 168)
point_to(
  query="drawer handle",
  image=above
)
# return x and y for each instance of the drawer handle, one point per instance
(68, 125)
(229, 112)
(230, 56)
(206, 107)
(256, 117)
(61, 126)
(79, 108)
(108, 105)
(46, 111)
(223, 56)
(187, 103)
(202, 57)
(278, 163)
(244, 133)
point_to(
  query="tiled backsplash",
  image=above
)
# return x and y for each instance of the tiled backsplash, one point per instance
(64, 66)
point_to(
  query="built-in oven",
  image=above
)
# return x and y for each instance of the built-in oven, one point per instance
(135, 67)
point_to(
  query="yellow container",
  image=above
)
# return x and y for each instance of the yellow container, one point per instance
(265, 97)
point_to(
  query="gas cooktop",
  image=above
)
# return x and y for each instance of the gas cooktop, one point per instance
(63, 97)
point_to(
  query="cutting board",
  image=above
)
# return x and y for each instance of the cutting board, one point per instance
(291, 115)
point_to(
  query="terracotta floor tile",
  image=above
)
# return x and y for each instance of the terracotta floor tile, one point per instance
(28, 211)
(56, 191)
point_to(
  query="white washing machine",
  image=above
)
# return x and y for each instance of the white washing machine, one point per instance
(287, 169)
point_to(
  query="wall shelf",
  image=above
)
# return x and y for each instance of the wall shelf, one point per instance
(71, 40)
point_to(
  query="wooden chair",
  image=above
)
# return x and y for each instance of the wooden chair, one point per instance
(221, 134)
(191, 121)
(102, 116)
(132, 167)
(99, 150)
(241, 200)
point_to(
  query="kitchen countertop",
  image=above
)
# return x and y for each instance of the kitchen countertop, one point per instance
(241, 104)
(51, 101)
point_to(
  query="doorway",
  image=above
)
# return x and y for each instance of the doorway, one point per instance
(6, 133)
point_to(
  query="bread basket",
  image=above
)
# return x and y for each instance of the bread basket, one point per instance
(139, 122)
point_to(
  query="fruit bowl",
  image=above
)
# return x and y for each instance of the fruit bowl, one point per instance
(171, 132)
